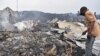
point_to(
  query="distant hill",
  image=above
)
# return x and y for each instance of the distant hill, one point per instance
(36, 15)
(14, 16)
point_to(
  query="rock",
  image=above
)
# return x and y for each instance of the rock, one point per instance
(80, 24)
(55, 25)
(62, 24)
(54, 20)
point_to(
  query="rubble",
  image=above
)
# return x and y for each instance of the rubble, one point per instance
(37, 44)
(46, 41)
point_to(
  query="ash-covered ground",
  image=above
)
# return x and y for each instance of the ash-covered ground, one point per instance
(46, 39)
(37, 44)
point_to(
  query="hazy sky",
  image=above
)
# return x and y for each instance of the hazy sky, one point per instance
(53, 6)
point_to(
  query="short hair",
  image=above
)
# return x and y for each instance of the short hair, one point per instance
(83, 10)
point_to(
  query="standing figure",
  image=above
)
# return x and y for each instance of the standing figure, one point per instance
(93, 29)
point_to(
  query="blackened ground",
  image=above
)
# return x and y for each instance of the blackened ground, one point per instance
(37, 44)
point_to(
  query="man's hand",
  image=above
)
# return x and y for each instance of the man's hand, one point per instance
(84, 33)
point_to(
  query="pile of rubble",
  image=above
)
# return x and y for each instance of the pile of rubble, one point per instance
(37, 44)
(45, 42)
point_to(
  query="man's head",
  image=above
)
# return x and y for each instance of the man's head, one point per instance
(83, 10)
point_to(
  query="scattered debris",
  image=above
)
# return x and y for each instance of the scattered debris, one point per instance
(45, 41)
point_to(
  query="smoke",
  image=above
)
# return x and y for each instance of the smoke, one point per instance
(7, 17)
(7, 26)
(24, 25)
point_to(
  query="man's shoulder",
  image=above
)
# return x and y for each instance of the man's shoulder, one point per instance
(89, 12)
(90, 16)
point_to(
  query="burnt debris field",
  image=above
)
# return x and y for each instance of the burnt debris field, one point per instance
(42, 34)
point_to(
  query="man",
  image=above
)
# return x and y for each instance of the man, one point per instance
(93, 29)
